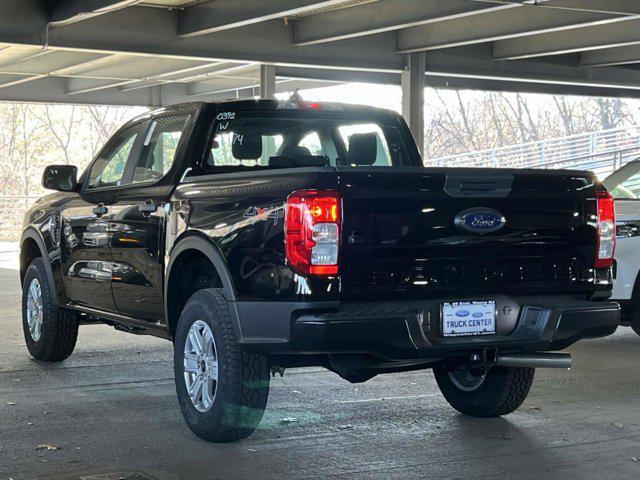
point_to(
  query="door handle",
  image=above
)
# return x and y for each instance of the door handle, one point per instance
(148, 208)
(100, 210)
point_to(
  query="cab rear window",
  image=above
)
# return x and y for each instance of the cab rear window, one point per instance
(265, 143)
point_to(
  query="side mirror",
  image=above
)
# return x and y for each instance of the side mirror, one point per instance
(63, 178)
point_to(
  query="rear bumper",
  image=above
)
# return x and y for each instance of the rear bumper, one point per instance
(411, 330)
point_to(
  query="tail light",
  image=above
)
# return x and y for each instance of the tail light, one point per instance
(312, 231)
(606, 230)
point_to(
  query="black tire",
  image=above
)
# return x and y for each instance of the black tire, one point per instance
(630, 313)
(59, 331)
(242, 387)
(502, 391)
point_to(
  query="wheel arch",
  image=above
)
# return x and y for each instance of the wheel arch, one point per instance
(32, 246)
(194, 247)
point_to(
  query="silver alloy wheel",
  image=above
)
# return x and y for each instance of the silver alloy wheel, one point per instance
(201, 366)
(34, 310)
(466, 381)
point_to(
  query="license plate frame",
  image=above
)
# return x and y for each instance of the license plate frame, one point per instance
(472, 318)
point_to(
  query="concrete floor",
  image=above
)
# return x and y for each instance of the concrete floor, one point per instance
(112, 412)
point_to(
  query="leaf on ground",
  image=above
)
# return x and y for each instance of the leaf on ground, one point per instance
(288, 420)
(49, 447)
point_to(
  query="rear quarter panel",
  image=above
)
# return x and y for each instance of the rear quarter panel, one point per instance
(243, 215)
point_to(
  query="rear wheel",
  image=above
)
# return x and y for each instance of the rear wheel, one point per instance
(630, 313)
(50, 332)
(222, 389)
(498, 391)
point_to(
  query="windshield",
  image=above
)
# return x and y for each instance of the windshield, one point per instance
(280, 142)
(625, 183)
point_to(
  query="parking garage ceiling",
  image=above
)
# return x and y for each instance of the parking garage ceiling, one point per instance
(165, 51)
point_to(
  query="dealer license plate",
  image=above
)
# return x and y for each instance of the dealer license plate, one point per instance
(462, 319)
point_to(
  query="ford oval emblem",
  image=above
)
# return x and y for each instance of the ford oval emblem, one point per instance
(480, 220)
(462, 313)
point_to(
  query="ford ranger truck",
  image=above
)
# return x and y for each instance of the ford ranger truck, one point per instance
(264, 235)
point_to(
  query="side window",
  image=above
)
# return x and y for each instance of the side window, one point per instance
(108, 169)
(312, 143)
(366, 134)
(159, 148)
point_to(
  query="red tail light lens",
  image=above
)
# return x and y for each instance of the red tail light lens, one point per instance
(606, 230)
(312, 231)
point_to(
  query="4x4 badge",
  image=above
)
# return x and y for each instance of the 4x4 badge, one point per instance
(262, 214)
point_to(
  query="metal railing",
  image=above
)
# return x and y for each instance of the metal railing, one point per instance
(602, 152)
(12, 210)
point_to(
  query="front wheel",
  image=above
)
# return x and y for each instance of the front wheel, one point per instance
(50, 332)
(222, 389)
(498, 391)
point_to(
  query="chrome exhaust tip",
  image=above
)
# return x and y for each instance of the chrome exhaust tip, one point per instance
(535, 360)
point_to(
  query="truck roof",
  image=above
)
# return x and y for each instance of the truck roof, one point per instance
(272, 105)
(261, 104)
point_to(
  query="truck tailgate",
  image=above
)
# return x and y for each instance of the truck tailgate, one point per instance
(403, 232)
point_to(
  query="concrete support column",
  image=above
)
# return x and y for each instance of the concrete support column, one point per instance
(267, 81)
(413, 84)
(156, 96)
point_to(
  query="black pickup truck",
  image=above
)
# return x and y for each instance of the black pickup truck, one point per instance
(263, 235)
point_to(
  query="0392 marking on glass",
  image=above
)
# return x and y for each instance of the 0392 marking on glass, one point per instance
(226, 116)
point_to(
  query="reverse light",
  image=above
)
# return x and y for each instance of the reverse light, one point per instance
(606, 230)
(312, 231)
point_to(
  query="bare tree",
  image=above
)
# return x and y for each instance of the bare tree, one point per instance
(9, 134)
(565, 111)
(62, 129)
(496, 119)
(104, 121)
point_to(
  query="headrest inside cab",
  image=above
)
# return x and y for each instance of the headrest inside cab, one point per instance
(363, 148)
(247, 145)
